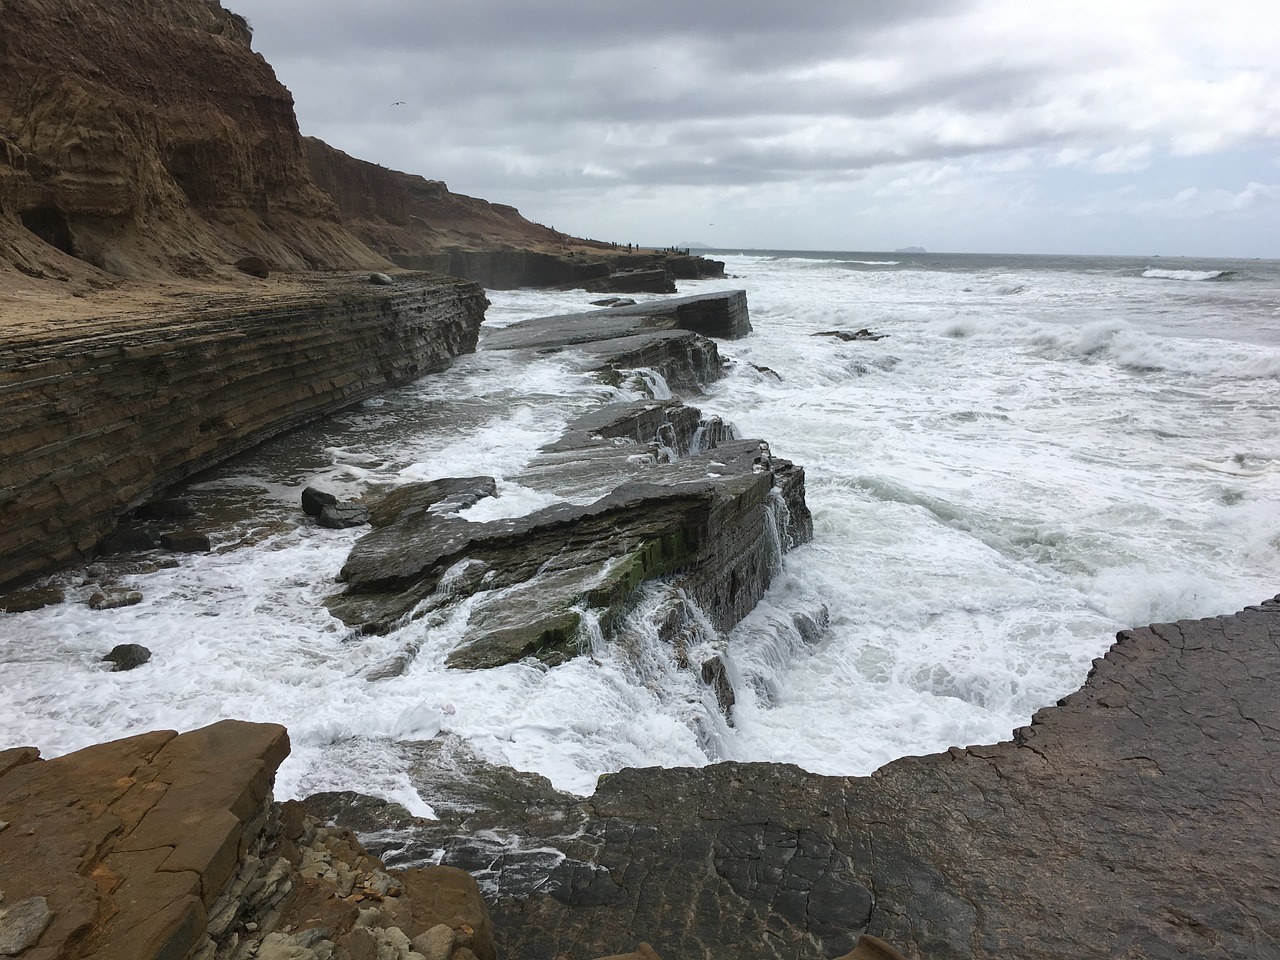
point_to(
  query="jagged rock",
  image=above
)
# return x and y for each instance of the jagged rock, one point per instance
(330, 344)
(381, 279)
(863, 334)
(33, 598)
(652, 279)
(1056, 843)
(715, 676)
(339, 516)
(254, 267)
(447, 495)
(127, 656)
(112, 598)
(314, 500)
(22, 923)
(186, 541)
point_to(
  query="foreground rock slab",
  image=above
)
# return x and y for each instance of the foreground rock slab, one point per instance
(168, 846)
(1135, 819)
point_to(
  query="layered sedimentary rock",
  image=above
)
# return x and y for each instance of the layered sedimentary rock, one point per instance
(650, 491)
(1133, 819)
(420, 224)
(145, 138)
(168, 846)
(99, 418)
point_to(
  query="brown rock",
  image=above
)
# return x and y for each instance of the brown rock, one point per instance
(254, 266)
(449, 896)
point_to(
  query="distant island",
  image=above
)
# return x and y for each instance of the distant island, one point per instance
(911, 250)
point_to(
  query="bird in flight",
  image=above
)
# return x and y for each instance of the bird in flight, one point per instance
(398, 103)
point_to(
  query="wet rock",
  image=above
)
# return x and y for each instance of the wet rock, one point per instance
(447, 495)
(127, 656)
(339, 516)
(129, 540)
(114, 597)
(654, 279)
(863, 334)
(1055, 843)
(314, 500)
(436, 944)
(33, 598)
(613, 302)
(165, 510)
(715, 676)
(186, 541)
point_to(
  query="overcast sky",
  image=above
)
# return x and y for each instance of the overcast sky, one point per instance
(1025, 126)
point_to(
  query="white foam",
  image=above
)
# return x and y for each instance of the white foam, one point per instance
(1030, 461)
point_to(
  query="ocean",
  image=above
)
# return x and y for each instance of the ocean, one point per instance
(1039, 452)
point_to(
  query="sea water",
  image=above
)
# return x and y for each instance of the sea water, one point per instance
(1039, 452)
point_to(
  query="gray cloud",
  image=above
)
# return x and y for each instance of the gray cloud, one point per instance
(550, 100)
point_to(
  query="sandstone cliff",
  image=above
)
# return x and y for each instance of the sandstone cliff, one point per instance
(145, 138)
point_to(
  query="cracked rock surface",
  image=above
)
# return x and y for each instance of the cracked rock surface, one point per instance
(1134, 819)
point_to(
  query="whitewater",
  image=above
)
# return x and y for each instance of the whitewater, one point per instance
(1040, 452)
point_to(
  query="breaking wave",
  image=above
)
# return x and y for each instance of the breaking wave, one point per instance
(1155, 273)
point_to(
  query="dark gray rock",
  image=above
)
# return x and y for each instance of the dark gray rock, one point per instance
(32, 598)
(447, 495)
(254, 266)
(863, 334)
(723, 315)
(113, 597)
(129, 540)
(340, 516)
(127, 656)
(1133, 819)
(165, 510)
(314, 500)
(186, 541)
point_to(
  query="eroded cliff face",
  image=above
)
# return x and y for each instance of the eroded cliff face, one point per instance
(145, 138)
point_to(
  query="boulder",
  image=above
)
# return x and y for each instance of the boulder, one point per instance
(127, 656)
(129, 540)
(165, 510)
(33, 598)
(186, 541)
(314, 500)
(254, 267)
(114, 597)
(380, 279)
(863, 334)
(339, 516)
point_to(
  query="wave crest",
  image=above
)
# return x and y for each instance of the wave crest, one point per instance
(1156, 273)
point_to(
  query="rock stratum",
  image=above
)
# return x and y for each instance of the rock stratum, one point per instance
(102, 416)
